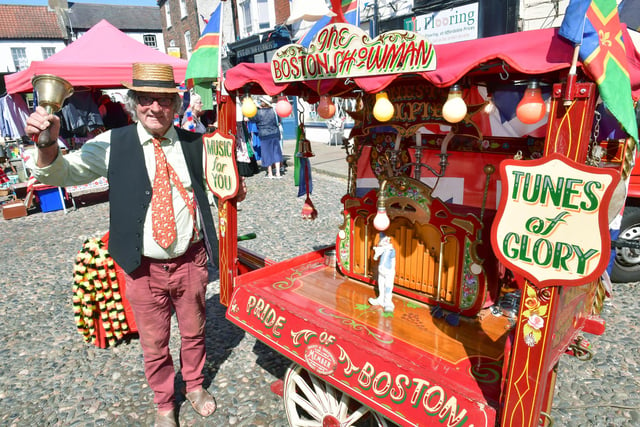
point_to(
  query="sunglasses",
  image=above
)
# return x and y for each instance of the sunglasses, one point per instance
(145, 101)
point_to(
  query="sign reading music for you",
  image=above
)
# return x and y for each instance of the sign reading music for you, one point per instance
(552, 222)
(343, 50)
(220, 165)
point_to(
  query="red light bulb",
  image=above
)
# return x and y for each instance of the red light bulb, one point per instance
(531, 108)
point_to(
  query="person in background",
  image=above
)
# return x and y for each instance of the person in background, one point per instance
(191, 120)
(113, 113)
(269, 134)
(161, 228)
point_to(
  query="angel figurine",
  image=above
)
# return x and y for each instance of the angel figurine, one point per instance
(386, 253)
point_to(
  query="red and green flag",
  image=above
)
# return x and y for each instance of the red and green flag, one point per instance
(205, 64)
(595, 26)
(205, 59)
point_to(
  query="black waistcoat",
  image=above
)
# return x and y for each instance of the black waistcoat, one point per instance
(130, 194)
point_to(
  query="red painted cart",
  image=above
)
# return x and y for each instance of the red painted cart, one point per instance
(483, 309)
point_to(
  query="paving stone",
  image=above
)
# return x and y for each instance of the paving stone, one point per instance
(50, 376)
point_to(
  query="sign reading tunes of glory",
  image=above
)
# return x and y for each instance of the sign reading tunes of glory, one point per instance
(552, 220)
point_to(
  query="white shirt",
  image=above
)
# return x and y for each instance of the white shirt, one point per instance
(92, 162)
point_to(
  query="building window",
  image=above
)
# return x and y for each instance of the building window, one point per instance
(263, 14)
(19, 55)
(47, 52)
(150, 40)
(187, 43)
(167, 13)
(183, 8)
(245, 8)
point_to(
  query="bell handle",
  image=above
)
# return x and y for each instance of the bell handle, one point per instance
(44, 137)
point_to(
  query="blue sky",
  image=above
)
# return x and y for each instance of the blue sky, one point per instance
(124, 2)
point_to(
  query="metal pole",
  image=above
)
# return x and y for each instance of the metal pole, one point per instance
(374, 22)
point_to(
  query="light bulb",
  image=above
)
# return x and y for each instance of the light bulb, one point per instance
(531, 108)
(283, 107)
(489, 107)
(381, 221)
(326, 108)
(455, 109)
(249, 108)
(383, 110)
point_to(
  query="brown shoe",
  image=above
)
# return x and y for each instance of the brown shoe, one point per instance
(166, 420)
(202, 401)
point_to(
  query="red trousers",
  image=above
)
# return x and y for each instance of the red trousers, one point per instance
(155, 290)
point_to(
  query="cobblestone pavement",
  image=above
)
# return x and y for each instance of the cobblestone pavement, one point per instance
(50, 376)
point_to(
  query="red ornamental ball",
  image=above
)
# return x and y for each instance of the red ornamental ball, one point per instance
(283, 107)
(326, 108)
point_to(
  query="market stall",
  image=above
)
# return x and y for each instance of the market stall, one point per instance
(100, 58)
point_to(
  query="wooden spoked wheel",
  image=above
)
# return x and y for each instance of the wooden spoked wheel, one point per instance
(309, 401)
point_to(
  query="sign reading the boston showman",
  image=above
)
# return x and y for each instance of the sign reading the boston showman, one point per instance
(552, 221)
(343, 50)
(220, 165)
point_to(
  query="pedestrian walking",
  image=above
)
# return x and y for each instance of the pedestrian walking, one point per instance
(191, 120)
(269, 134)
(161, 227)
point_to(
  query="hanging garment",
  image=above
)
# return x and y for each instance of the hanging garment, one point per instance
(80, 115)
(14, 116)
(247, 165)
(255, 139)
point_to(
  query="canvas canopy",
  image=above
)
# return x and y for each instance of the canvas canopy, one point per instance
(100, 58)
(532, 53)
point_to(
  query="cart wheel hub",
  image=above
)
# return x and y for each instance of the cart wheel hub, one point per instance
(330, 421)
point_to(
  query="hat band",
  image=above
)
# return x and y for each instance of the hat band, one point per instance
(154, 83)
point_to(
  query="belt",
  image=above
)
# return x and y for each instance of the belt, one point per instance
(191, 251)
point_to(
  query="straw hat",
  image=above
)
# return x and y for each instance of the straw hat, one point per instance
(152, 78)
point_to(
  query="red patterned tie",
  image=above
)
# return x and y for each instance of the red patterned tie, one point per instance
(162, 217)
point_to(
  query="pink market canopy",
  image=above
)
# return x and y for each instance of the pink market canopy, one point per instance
(100, 58)
(528, 53)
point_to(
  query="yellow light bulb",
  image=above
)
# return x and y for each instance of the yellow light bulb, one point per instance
(455, 109)
(383, 110)
(249, 108)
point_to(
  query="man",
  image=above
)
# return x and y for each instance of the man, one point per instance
(160, 223)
